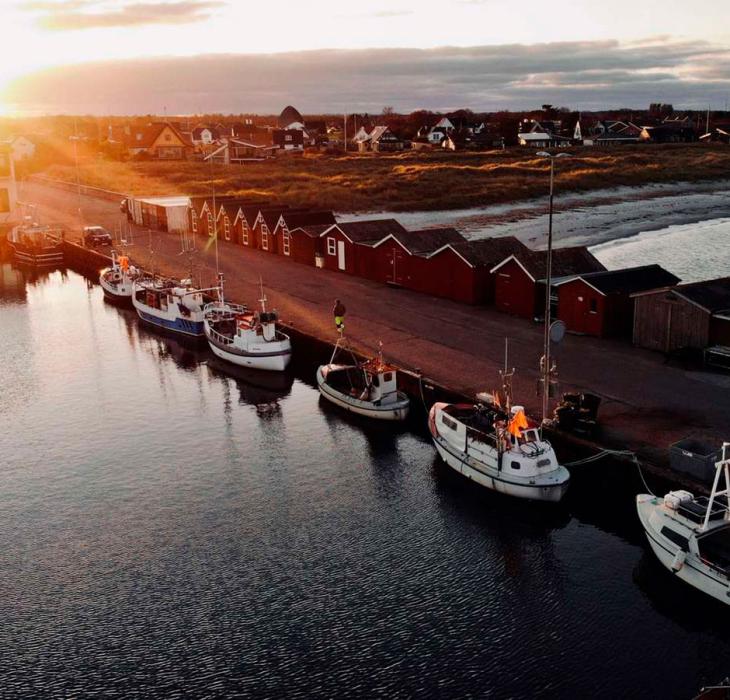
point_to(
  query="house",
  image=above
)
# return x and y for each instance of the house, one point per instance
(609, 132)
(341, 242)
(466, 139)
(21, 148)
(8, 189)
(541, 134)
(362, 136)
(300, 248)
(695, 315)
(237, 150)
(517, 288)
(720, 134)
(288, 139)
(289, 115)
(204, 135)
(600, 303)
(671, 130)
(382, 140)
(159, 140)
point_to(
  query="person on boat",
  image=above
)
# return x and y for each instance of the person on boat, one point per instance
(339, 311)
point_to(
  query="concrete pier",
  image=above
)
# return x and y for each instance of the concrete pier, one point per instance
(647, 404)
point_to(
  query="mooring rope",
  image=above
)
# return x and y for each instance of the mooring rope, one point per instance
(614, 453)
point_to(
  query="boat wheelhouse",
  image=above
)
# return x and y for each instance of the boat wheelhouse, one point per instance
(118, 280)
(691, 536)
(367, 388)
(246, 338)
(498, 449)
(33, 244)
(176, 307)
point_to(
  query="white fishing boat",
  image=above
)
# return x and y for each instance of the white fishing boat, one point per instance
(498, 449)
(176, 307)
(37, 245)
(691, 536)
(117, 281)
(244, 337)
(367, 388)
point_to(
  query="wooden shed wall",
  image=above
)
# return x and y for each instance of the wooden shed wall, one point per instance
(664, 322)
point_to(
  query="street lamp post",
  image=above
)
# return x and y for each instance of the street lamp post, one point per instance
(546, 369)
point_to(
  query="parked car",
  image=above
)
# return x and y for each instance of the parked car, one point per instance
(95, 236)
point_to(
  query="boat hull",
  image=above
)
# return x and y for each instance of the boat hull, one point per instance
(494, 480)
(693, 571)
(177, 325)
(270, 362)
(397, 411)
(47, 258)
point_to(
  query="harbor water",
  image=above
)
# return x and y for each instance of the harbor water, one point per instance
(173, 528)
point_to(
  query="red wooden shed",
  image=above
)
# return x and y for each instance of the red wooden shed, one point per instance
(290, 220)
(341, 243)
(516, 283)
(600, 303)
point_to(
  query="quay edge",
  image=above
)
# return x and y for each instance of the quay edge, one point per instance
(421, 388)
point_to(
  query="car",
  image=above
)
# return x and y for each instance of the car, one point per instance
(95, 236)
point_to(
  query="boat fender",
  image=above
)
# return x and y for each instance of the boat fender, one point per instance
(678, 561)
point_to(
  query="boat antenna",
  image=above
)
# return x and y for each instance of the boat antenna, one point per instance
(506, 375)
(263, 296)
(215, 213)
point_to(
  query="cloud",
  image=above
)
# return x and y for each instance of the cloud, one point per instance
(68, 15)
(581, 75)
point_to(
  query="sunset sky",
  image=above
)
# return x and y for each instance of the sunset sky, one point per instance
(127, 56)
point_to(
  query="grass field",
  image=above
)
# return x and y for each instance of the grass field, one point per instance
(409, 181)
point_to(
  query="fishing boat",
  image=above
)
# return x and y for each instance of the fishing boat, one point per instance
(176, 307)
(499, 449)
(117, 281)
(246, 338)
(691, 536)
(37, 245)
(367, 388)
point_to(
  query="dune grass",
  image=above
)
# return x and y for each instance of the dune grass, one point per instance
(409, 181)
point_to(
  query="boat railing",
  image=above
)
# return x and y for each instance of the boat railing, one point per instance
(224, 307)
(219, 337)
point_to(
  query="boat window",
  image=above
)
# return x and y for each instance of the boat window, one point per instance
(376, 380)
(448, 422)
(515, 465)
(676, 538)
(543, 462)
(388, 376)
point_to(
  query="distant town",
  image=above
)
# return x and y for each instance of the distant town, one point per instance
(245, 138)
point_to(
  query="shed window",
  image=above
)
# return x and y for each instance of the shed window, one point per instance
(227, 228)
(593, 306)
(285, 243)
(210, 224)
(264, 236)
(331, 246)
(244, 227)
(194, 223)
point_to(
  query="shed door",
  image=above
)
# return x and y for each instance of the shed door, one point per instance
(395, 267)
(341, 255)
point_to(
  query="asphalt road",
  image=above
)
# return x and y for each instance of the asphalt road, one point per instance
(647, 404)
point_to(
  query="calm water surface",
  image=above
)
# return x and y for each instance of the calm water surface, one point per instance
(170, 530)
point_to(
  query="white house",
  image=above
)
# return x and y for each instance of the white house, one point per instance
(8, 190)
(21, 148)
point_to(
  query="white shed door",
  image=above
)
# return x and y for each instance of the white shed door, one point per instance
(341, 255)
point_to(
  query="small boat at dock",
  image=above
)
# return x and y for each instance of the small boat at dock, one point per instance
(246, 338)
(367, 388)
(498, 449)
(691, 536)
(173, 306)
(36, 245)
(117, 281)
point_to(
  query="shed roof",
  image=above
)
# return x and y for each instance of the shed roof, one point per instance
(489, 251)
(713, 295)
(314, 231)
(429, 240)
(628, 280)
(297, 219)
(369, 229)
(575, 260)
